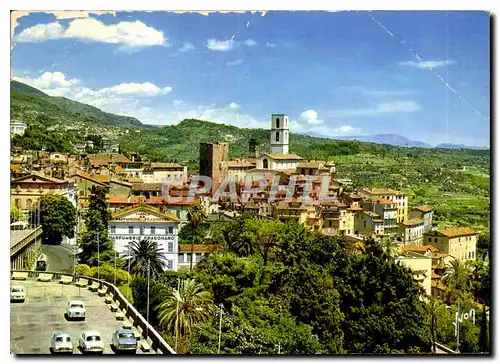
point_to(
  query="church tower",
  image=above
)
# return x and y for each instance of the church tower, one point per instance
(279, 134)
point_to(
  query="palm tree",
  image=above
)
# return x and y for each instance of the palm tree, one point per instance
(390, 246)
(433, 307)
(185, 308)
(196, 215)
(455, 276)
(145, 251)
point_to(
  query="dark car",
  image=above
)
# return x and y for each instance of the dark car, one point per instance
(41, 265)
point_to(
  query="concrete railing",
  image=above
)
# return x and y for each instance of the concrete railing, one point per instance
(148, 331)
(25, 241)
(445, 349)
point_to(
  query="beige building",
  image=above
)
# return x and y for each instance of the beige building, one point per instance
(421, 267)
(425, 213)
(335, 218)
(25, 192)
(173, 174)
(399, 198)
(411, 231)
(459, 242)
(238, 169)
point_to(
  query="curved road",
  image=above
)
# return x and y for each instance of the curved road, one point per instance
(59, 257)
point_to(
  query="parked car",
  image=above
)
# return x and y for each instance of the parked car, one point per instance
(61, 342)
(41, 265)
(91, 342)
(75, 310)
(124, 341)
(17, 294)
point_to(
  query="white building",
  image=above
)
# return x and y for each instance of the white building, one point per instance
(171, 173)
(145, 222)
(279, 134)
(17, 127)
(278, 162)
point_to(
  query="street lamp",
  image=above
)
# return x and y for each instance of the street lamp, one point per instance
(147, 305)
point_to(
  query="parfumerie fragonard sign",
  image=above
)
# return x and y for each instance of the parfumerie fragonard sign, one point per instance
(150, 237)
(141, 216)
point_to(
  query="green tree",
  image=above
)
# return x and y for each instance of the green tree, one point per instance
(484, 337)
(433, 307)
(455, 278)
(182, 310)
(196, 216)
(94, 241)
(144, 253)
(58, 218)
(16, 214)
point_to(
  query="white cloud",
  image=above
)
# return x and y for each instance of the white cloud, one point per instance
(234, 106)
(270, 45)
(49, 80)
(128, 34)
(234, 63)
(380, 109)
(177, 102)
(427, 64)
(311, 116)
(137, 89)
(345, 130)
(250, 42)
(186, 47)
(220, 45)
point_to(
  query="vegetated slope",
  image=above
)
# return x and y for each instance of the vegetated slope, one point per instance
(35, 101)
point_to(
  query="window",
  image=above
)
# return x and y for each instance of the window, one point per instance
(170, 264)
(141, 230)
(364, 223)
(170, 247)
(113, 229)
(181, 258)
(277, 123)
(130, 229)
(170, 230)
(153, 230)
(277, 136)
(265, 164)
(197, 257)
(435, 240)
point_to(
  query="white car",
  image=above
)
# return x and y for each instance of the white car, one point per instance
(75, 310)
(61, 342)
(91, 342)
(17, 293)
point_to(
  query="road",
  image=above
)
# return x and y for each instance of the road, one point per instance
(33, 322)
(59, 257)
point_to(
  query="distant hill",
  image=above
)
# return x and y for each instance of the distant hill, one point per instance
(20, 94)
(459, 146)
(391, 139)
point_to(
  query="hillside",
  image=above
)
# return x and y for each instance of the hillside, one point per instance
(29, 103)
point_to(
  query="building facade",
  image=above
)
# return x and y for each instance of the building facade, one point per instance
(459, 242)
(400, 200)
(411, 231)
(17, 128)
(145, 222)
(421, 267)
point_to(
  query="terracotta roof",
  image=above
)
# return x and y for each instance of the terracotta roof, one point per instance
(186, 248)
(412, 222)
(457, 231)
(15, 167)
(92, 178)
(118, 199)
(424, 208)
(435, 276)
(355, 208)
(421, 248)
(166, 165)
(381, 191)
(26, 179)
(383, 200)
(284, 156)
(240, 164)
(145, 207)
(119, 169)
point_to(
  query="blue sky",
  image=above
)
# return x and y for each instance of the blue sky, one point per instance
(424, 75)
